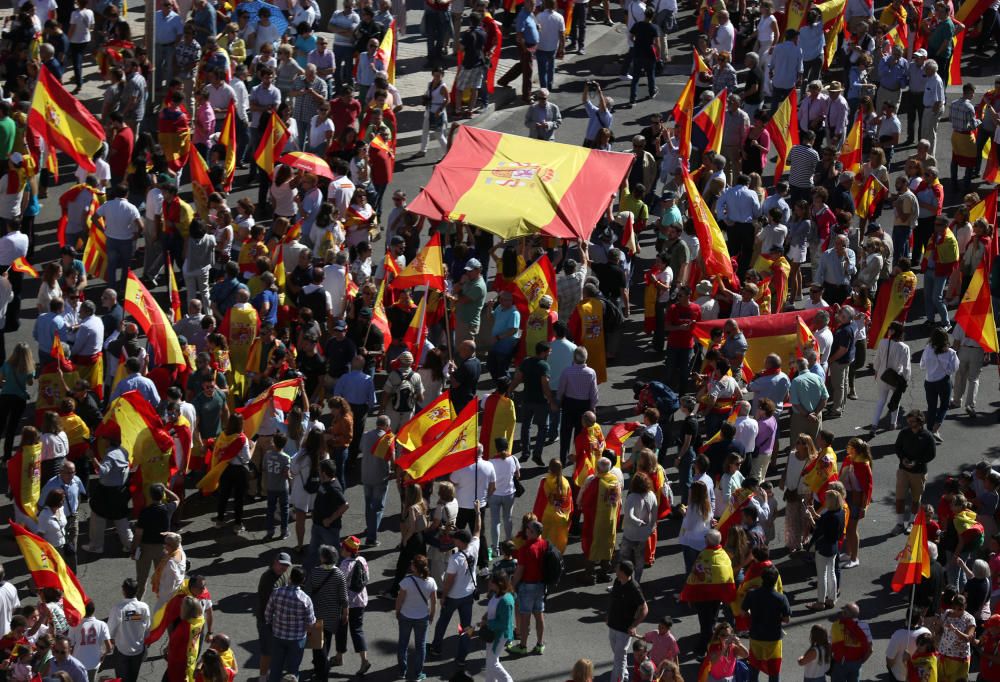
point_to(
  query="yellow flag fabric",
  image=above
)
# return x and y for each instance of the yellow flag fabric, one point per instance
(975, 312)
(209, 483)
(833, 24)
(914, 562)
(456, 449)
(427, 424)
(538, 280)
(201, 184)
(48, 569)
(64, 122)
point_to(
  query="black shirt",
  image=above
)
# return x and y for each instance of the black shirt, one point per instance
(112, 320)
(339, 354)
(717, 453)
(841, 199)
(844, 338)
(329, 498)
(644, 36)
(767, 610)
(154, 521)
(466, 378)
(626, 598)
(267, 584)
(312, 367)
(752, 79)
(829, 529)
(915, 450)
(691, 427)
(473, 44)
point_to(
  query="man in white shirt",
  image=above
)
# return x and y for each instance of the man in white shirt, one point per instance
(123, 225)
(902, 643)
(459, 587)
(746, 427)
(88, 339)
(933, 102)
(341, 189)
(815, 299)
(474, 482)
(335, 282)
(8, 601)
(128, 624)
(91, 641)
(220, 95)
(551, 42)
(824, 337)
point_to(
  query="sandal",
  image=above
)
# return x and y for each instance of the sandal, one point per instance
(817, 606)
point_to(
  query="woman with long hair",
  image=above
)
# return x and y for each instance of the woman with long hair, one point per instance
(501, 502)
(339, 436)
(305, 481)
(826, 536)
(49, 287)
(797, 493)
(890, 354)
(724, 650)
(939, 362)
(281, 195)
(658, 481)
(416, 603)
(16, 374)
(856, 475)
(55, 445)
(235, 478)
(211, 668)
(583, 671)
(697, 522)
(499, 620)
(862, 304)
(434, 372)
(554, 505)
(412, 525)
(815, 661)
(438, 533)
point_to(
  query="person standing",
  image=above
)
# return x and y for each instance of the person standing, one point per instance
(529, 582)
(827, 533)
(465, 377)
(499, 620)
(274, 577)
(416, 604)
(933, 103)
(542, 118)
(551, 42)
(915, 448)
(328, 510)
(964, 123)
(578, 393)
(377, 452)
(469, 302)
(537, 401)
(473, 486)
(852, 645)
(123, 227)
(785, 68)
(645, 38)
(768, 610)
(91, 641)
(327, 588)
(940, 363)
(627, 608)
(128, 624)
(526, 30)
(290, 614)
(109, 498)
(841, 356)
(356, 571)
(459, 589)
(147, 542)
(639, 517)
(710, 582)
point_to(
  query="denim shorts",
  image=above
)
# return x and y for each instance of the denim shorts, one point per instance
(531, 597)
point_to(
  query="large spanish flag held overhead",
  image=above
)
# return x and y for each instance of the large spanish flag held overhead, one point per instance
(850, 153)
(784, 130)
(537, 280)
(975, 312)
(64, 122)
(891, 303)
(914, 562)
(833, 25)
(426, 269)
(49, 570)
(272, 143)
(714, 252)
(141, 305)
(454, 450)
(428, 424)
(710, 120)
(514, 186)
(136, 421)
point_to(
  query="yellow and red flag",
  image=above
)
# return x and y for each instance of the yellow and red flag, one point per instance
(795, 15)
(390, 265)
(514, 186)
(427, 425)
(173, 131)
(172, 292)
(137, 420)
(272, 142)
(416, 333)
(955, 67)
(868, 195)
(765, 656)
(891, 303)
(64, 201)
(711, 577)
(21, 264)
(992, 171)
(899, 35)
(201, 184)
(499, 419)
(751, 581)
(806, 336)
(95, 254)
(379, 319)
(379, 143)
(683, 114)
(227, 138)
(848, 640)
(833, 24)
(226, 448)
(914, 562)
(784, 130)
(24, 472)
(141, 305)
(281, 395)
(850, 153)
(619, 435)
(454, 450)
(167, 615)
(732, 515)
(537, 280)
(387, 50)
(775, 268)
(970, 11)
(975, 312)
(56, 351)
(64, 122)
(711, 119)
(987, 210)
(714, 252)
(48, 569)
(426, 269)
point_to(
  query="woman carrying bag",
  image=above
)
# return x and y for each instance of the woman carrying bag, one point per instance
(497, 627)
(892, 367)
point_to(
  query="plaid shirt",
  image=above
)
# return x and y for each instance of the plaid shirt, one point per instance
(305, 106)
(963, 116)
(289, 613)
(186, 56)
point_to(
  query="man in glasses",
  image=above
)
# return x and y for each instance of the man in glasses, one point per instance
(63, 661)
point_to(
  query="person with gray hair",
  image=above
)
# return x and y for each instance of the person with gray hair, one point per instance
(569, 283)
(599, 527)
(376, 454)
(808, 397)
(327, 586)
(88, 340)
(577, 393)
(933, 102)
(837, 267)
(735, 126)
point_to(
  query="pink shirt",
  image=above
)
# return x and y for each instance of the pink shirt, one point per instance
(204, 124)
(661, 646)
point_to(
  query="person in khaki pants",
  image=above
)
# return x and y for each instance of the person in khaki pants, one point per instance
(147, 542)
(915, 448)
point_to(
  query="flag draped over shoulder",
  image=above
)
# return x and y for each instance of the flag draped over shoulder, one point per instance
(619, 435)
(48, 569)
(174, 135)
(454, 450)
(428, 424)
(426, 269)
(784, 131)
(537, 280)
(914, 562)
(891, 303)
(733, 513)
(711, 577)
(272, 142)
(711, 119)
(24, 473)
(95, 254)
(514, 186)
(141, 305)
(225, 449)
(170, 611)
(64, 122)
(499, 419)
(868, 195)
(975, 312)
(714, 252)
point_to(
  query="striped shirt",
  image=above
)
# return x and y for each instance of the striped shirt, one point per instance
(328, 588)
(963, 116)
(801, 165)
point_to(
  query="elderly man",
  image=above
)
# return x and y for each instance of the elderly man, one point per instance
(599, 500)
(506, 334)
(578, 393)
(841, 357)
(893, 75)
(358, 389)
(709, 584)
(309, 92)
(854, 637)
(735, 346)
(543, 117)
(738, 206)
(465, 377)
(88, 344)
(68, 482)
(808, 396)
(812, 111)
(963, 137)
(836, 269)
(770, 383)
(745, 425)
(933, 103)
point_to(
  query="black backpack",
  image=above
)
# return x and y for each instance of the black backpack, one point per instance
(358, 579)
(667, 401)
(552, 566)
(404, 394)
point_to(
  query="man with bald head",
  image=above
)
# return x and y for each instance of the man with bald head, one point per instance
(67, 481)
(465, 377)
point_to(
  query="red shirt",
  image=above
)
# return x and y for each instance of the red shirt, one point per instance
(677, 314)
(344, 115)
(530, 557)
(171, 215)
(121, 152)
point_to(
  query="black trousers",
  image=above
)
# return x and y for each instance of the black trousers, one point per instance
(128, 667)
(707, 612)
(572, 412)
(925, 227)
(321, 657)
(234, 481)
(11, 410)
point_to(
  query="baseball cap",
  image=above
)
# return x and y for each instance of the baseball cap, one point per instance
(920, 53)
(284, 559)
(668, 196)
(340, 325)
(473, 264)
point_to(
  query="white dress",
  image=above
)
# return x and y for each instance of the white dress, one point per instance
(300, 499)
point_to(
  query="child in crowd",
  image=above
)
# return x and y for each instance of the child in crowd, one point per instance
(277, 474)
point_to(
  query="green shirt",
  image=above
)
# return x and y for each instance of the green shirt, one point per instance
(470, 311)
(209, 411)
(533, 369)
(7, 132)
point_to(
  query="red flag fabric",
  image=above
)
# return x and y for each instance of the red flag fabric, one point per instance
(48, 569)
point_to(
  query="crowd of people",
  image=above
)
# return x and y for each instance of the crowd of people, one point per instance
(285, 289)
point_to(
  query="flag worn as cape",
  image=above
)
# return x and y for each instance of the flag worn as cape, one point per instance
(225, 449)
(553, 507)
(65, 200)
(499, 419)
(848, 640)
(711, 577)
(733, 513)
(600, 502)
(589, 445)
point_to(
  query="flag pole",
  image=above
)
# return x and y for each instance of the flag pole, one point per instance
(913, 586)
(447, 325)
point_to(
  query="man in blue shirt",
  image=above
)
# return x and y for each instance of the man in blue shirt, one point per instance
(738, 206)
(67, 481)
(358, 389)
(812, 44)
(46, 327)
(506, 332)
(64, 662)
(786, 67)
(893, 76)
(135, 381)
(527, 41)
(598, 115)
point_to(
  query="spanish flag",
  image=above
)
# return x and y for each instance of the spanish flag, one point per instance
(711, 577)
(537, 280)
(416, 333)
(968, 528)
(281, 395)
(426, 269)
(914, 562)
(784, 130)
(714, 252)
(385, 447)
(137, 420)
(619, 435)
(970, 11)
(499, 419)
(182, 649)
(848, 639)
(711, 120)
(975, 312)
(766, 656)
(227, 138)
(427, 425)
(833, 24)
(795, 16)
(172, 292)
(867, 196)
(272, 142)
(174, 134)
(732, 515)
(588, 446)
(986, 209)
(514, 186)
(56, 351)
(170, 611)
(141, 305)
(553, 507)
(820, 473)
(454, 450)
(95, 254)
(922, 667)
(387, 50)
(25, 475)
(891, 303)
(225, 449)
(201, 184)
(600, 503)
(992, 171)
(49, 570)
(776, 269)
(68, 197)
(379, 319)
(683, 113)
(955, 67)
(899, 35)
(850, 153)
(751, 581)
(806, 337)
(64, 122)
(21, 264)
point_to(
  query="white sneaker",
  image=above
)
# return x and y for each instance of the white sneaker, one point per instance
(626, 77)
(92, 550)
(850, 564)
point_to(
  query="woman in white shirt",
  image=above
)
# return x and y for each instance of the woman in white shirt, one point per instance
(939, 362)
(49, 288)
(501, 502)
(169, 573)
(416, 604)
(321, 131)
(55, 445)
(52, 519)
(282, 193)
(305, 480)
(697, 522)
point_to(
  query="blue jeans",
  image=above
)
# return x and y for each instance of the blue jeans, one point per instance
(374, 506)
(119, 257)
(286, 656)
(501, 507)
(277, 500)
(320, 536)
(343, 64)
(242, 140)
(417, 626)
(901, 241)
(498, 361)
(846, 671)
(448, 608)
(540, 415)
(938, 396)
(638, 67)
(933, 297)
(339, 455)
(546, 67)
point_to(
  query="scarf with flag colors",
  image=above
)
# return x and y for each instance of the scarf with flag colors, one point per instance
(385, 446)
(48, 569)
(868, 196)
(714, 252)
(589, 446)
(619, 435)
(499, 420)
(24, 472)
(454, 450)
(850, 153)
(784, 130)
(227, 446)
(427, 425)
(914, 562)
(95, 254)
(751, 581)
(711, 119)
(272, 142)
(820, 472)
(515, 186)
(65, 200)
(64, 123)
(141, 305)
(892, 303)
(975, 312)
(553, 507)
(732, 515)
(711, 577)
(850, 643)
(600, 502)
(21, 264)
(426, 269)
(173, 131)
(201, 183)
(173, 293)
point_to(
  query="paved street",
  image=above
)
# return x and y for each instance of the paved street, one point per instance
(574, 623)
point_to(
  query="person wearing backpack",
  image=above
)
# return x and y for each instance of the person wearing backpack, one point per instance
(529, 581)
(403, 392)
(459, 589)
(355, 569)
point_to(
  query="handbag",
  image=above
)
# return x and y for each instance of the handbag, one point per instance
(518, 487)
(485, 634)
(315, 635)
(891, 376)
